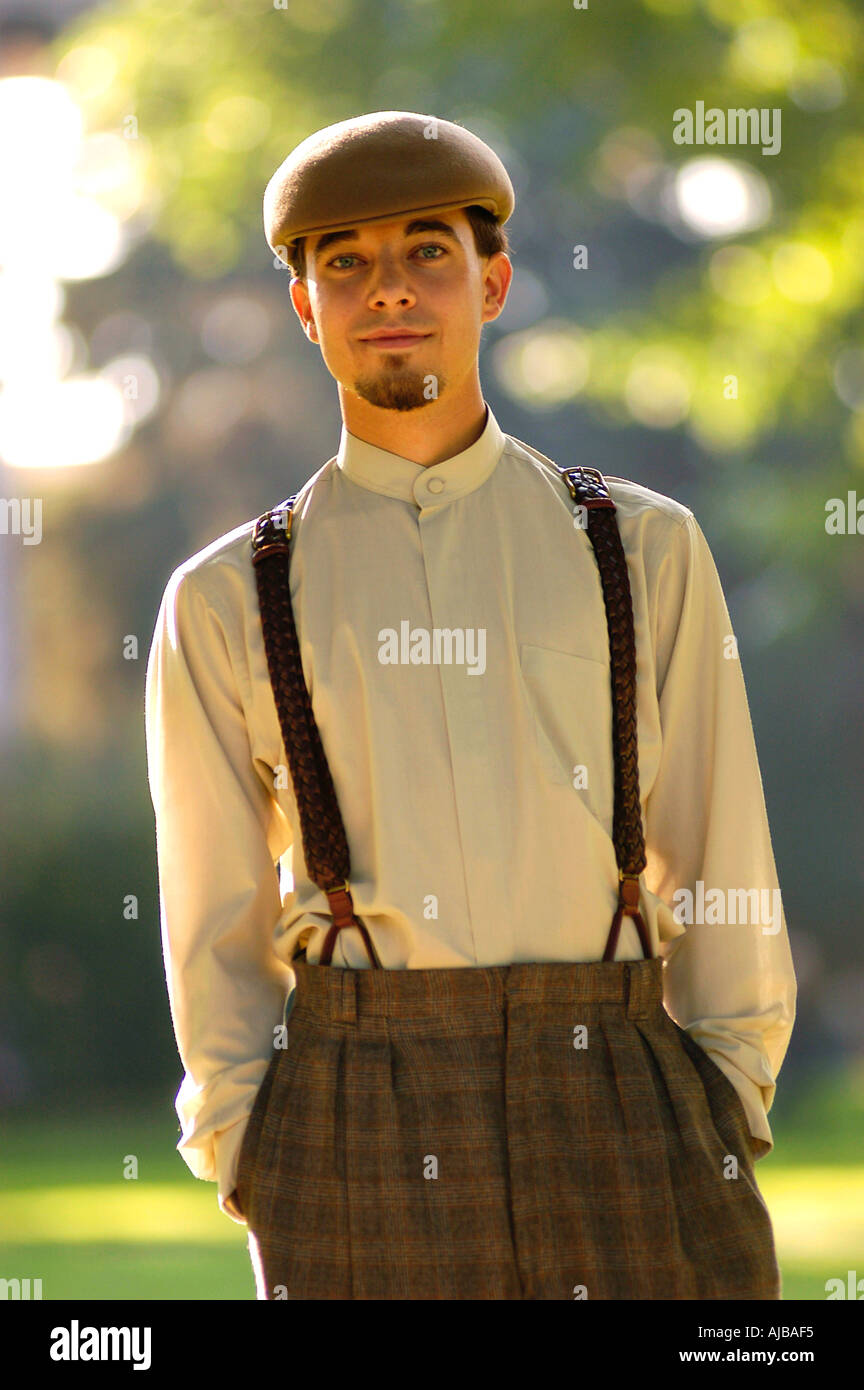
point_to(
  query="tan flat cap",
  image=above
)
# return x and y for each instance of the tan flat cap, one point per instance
(375, 167)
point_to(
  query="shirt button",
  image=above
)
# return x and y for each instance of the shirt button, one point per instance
(435, 484)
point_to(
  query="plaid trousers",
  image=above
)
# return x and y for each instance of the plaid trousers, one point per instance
(529, 1131)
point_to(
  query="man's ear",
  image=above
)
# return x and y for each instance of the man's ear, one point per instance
(303, 307)
(497, 278)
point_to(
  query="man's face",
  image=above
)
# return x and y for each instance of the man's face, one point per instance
(418, 274)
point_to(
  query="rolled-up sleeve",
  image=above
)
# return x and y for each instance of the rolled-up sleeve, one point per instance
(729, 977)
(219, 834)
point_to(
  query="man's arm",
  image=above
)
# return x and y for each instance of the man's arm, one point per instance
(219, 831)
(732, 987)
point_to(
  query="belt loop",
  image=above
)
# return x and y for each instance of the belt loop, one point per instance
(637, 990)
(347, 997)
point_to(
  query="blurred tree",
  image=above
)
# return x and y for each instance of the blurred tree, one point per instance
(723, 285)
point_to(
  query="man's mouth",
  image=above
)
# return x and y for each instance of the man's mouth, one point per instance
(395, 340)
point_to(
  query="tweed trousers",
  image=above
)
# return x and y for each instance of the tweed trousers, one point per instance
(530, 1131)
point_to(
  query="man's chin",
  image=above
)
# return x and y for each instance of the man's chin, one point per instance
(397, 392)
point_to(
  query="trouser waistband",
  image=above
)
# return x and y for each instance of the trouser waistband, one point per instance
(345, 995)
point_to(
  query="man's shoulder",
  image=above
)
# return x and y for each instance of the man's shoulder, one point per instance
(633, 500)
(230, 555)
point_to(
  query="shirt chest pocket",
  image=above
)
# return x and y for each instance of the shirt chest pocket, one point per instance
(570, 698)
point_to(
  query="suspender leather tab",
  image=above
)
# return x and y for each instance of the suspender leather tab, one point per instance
(342, 909)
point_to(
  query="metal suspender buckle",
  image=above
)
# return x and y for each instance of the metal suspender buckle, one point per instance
(588, 487)
(272, 532)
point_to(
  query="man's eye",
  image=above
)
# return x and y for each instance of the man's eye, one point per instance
(427, 246)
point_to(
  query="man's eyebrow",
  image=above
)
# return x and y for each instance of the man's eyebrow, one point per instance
(420, 224)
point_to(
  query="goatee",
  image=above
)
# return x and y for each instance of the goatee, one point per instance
(398, 390)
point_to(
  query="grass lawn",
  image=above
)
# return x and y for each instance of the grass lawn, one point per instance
(69, 1217)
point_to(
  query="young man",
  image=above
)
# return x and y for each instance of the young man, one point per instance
(471, 1098)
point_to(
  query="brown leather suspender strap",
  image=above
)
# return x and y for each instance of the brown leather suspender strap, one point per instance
(588, 488)
(325, 844)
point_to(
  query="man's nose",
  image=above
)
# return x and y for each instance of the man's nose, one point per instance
(389, 279)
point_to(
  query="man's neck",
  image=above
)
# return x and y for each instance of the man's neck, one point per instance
(426, 435)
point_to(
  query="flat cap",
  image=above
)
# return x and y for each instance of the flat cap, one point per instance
(378, 166)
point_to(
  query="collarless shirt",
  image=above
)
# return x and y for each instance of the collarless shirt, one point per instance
(454, 643)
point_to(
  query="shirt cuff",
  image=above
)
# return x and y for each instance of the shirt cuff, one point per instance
(752, 1099)
(226, 1146)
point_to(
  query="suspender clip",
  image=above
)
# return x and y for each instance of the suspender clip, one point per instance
(588, 487)
(272, 532)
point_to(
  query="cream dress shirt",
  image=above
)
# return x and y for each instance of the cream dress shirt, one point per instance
(477, 794)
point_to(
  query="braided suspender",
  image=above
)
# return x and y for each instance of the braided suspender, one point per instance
(325, 844)
(322, 830)
(588, 489)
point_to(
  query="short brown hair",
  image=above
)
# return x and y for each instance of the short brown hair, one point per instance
(489, 237)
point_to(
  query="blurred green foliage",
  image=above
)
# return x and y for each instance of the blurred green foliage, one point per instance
(579, 102)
